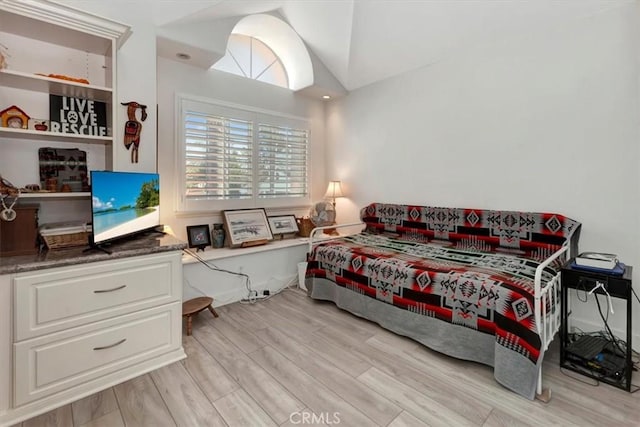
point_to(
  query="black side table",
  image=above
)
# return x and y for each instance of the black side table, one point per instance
(617, 287)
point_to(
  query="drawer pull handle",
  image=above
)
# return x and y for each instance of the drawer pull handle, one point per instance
(110, 346)
(102, 291)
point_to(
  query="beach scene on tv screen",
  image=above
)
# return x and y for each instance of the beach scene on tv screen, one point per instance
(124, 204)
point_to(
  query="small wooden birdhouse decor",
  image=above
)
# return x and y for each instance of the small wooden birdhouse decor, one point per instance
(14, 117)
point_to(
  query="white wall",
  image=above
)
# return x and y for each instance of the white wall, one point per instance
(268, 270)
(542, 122)
(136, 76)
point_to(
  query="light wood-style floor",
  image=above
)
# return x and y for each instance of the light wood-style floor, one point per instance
(290, 360)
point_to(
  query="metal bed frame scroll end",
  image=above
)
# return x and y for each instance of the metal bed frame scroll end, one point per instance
(548, 321)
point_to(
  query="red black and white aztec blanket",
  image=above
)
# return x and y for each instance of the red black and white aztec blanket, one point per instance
(490, 292)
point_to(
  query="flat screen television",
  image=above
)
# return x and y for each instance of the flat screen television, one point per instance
(123, 203)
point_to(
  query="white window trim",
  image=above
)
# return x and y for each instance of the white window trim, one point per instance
(216, 206)
(240, 71)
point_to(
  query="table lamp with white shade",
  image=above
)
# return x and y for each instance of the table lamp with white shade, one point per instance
(323, 213)
(334, 190)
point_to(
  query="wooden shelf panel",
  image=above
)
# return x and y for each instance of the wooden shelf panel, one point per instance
(71, 195)
(53, 136)
(36, 83)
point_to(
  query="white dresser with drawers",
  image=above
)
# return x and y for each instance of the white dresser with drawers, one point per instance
(67, 332)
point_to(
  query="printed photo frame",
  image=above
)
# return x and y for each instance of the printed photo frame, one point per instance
(199, 236)
(246, 227)
(283, 224)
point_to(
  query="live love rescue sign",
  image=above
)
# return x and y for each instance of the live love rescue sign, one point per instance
(77, 115)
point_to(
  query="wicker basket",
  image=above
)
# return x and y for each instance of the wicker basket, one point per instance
(305, 225)
(65, 235)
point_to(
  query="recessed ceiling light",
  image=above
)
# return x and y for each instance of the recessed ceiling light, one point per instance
(326, 97)
(184, 56)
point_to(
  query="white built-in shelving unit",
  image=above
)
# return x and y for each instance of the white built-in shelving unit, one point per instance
(43, 37)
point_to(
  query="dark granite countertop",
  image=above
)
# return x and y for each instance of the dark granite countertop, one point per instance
(143, 244)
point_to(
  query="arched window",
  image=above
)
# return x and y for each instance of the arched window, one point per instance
(265, 48)
(249, 57)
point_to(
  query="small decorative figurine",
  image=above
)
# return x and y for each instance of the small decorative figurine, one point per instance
(7, 191)
(14, 117)
(133, 128)
(39, 124)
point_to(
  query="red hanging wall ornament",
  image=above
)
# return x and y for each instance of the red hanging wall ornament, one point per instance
(133, 128)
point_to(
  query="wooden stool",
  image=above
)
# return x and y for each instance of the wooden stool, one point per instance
(195, 306)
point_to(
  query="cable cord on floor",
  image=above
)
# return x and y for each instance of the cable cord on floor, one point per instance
(612, 337)
(596, 382)
(605, 318)
(255, 299)
(201, 292)
(251, 294)
(621, 345)
(576, 377)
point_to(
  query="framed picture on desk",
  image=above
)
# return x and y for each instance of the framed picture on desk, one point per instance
(246, 227)
(198, 236)
(283, 224)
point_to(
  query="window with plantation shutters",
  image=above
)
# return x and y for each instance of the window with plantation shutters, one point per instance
(218, 157)
(232, 158)
(282, 161)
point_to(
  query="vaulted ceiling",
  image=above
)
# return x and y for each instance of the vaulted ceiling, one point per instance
(365, 41)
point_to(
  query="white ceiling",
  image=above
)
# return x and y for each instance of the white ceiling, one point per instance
(364, 41)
